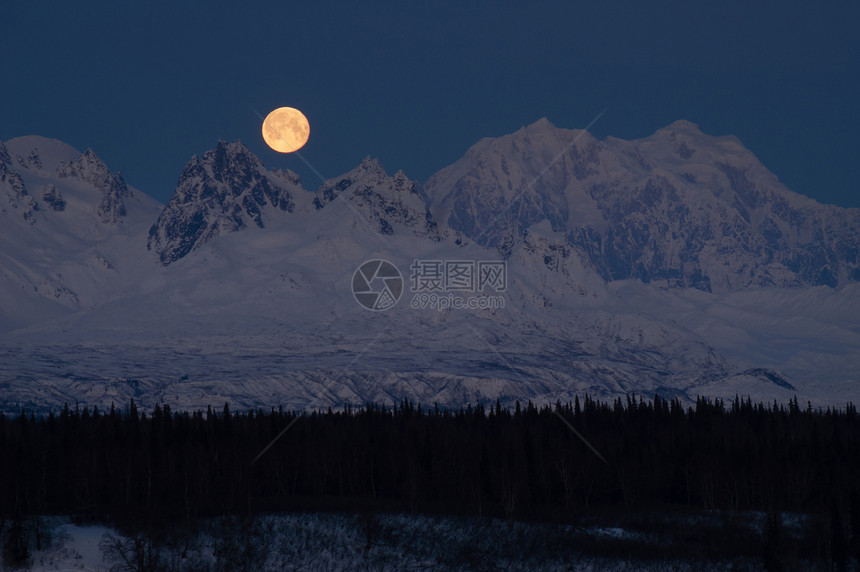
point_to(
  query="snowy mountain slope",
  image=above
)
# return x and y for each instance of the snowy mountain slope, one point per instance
(72, 232)
(679, 207)
(242, 289)
(267, 315)
(809, 337)
(260, 317)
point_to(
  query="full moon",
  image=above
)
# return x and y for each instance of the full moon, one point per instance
(286, 130)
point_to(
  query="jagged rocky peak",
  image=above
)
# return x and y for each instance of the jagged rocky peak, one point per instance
(40, 154)
(368, 173)
(370, 170)
(224, 190)
(89, 168)
(230, 162)
(238, 172)
(33, 161)
(386, 202)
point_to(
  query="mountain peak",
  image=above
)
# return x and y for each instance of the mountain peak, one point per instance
(223, 191)
(369, 172)
(372, 166)
(233, 147)
(542, 124)
(386, 202)
(679, 206)
(89, 168)
(51, 152)
(229, 159)
(542, 133)
(682, 125)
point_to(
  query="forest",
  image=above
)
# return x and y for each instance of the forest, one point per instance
(554, 464)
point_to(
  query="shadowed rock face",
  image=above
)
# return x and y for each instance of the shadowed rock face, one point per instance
(16, 195)
(680, 206)
(225, 190)
(385, 202)
(90, 169)
(228, 189)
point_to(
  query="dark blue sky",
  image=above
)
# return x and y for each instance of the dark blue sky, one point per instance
(148, 84)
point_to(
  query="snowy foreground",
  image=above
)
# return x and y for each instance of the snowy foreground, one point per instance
(391, 542)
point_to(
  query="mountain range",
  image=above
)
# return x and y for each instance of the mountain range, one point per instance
(675, 264)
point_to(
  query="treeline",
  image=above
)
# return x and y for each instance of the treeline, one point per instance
(521, 463)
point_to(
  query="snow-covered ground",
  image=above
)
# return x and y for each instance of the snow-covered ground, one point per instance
(331, 541)
(72, 547)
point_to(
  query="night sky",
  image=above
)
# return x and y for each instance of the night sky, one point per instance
(148, 84)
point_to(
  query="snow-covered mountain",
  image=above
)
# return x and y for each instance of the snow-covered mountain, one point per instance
(382, 201)
(70, 231)
(679, 207)
(674, 264)
(225, 190)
